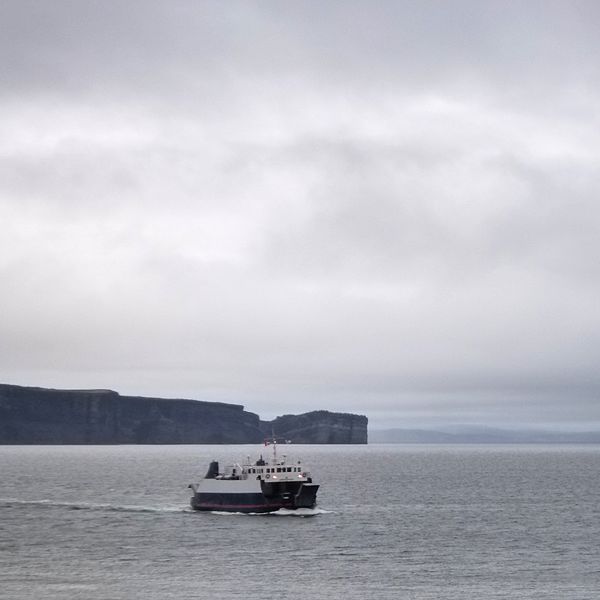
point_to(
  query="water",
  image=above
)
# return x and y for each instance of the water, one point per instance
(394, 521)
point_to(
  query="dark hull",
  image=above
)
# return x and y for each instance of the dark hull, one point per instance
(305, 497)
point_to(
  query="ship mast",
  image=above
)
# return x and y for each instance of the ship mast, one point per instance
(273, 442)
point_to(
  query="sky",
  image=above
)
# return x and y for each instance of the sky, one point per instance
(389, 208)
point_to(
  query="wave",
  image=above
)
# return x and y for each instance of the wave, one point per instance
(107, 507)
(282, 512)
(12, 503)
(302, 512)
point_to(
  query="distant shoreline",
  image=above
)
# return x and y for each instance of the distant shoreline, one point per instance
(481, 435)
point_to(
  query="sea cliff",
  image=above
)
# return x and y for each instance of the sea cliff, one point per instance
(320, 427)
(31, 415)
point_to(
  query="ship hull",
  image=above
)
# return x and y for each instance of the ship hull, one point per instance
(266, 498)
(246, 503)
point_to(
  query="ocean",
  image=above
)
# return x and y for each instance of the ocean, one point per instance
(393, 521)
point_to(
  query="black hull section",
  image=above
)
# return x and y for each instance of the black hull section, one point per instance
(304, 497)
(307, 496)
(248, 503)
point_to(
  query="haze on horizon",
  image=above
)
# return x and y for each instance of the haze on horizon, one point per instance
(388, 208)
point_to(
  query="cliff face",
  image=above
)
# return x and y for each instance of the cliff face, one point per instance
(43, 416)
(319, 427)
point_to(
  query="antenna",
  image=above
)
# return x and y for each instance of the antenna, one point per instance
(274, 445)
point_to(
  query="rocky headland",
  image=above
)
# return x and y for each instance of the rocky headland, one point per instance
(320, 427)
(31, 415)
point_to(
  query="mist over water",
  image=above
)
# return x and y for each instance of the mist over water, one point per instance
(417, 522)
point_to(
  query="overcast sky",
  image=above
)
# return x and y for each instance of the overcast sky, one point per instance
(391, 208)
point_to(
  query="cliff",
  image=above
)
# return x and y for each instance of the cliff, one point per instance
(43, 416)
(319, 427)
(30, 415)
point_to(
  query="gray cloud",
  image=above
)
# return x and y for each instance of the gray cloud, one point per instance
(383, 208)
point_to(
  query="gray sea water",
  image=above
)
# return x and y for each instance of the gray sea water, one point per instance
(393, 521)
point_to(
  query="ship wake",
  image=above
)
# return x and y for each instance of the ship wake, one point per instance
(282, 512)
(92, 506)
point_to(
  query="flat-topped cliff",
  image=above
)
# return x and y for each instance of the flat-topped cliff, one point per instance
(31, 415)
(320, 427)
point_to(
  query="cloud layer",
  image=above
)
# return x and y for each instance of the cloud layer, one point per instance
(389, 208)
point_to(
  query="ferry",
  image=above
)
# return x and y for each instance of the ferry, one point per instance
(262, 486)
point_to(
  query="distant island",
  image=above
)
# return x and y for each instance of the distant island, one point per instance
(474, 434)
(33, 415)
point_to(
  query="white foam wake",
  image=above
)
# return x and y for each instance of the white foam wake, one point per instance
(282, 512)
(302, 512)
(10, 503)
(45, 503)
